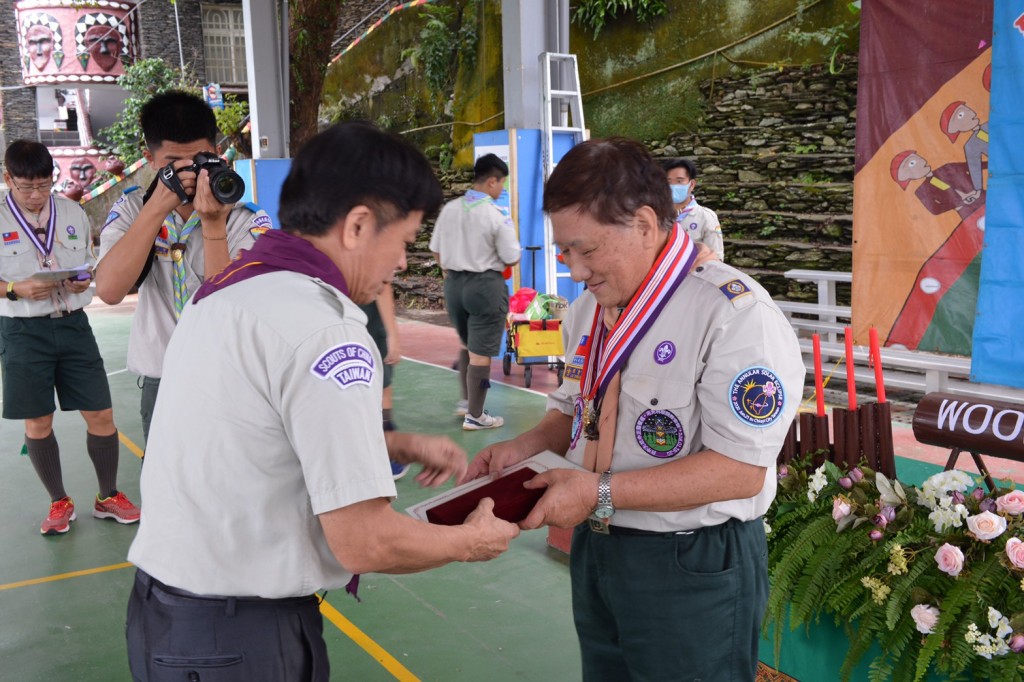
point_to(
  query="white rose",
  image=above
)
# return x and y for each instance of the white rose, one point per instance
(925, 617)
(840, 509)
(986, 525)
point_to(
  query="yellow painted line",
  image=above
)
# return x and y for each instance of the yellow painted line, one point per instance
(130, 445)
(64, 576)
(399, 671)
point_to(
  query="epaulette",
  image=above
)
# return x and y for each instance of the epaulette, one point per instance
(730, 286)
(252, 207)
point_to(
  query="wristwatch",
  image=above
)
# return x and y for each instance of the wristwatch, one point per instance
(604, 508)
(10, 292)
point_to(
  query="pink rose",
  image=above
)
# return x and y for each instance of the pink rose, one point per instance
(950, 559)
(1011, 503)
(875, 535)
(925, 617)
(1017, 643)
(856, 474)
(986, 525)
(840, 509)
(1015, 552)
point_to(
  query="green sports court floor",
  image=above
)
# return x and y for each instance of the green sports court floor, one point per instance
(62, 599)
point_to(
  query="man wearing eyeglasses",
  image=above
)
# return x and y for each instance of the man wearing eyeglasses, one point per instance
(46, 343)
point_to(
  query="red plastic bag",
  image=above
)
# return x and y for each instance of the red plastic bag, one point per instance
(520, 301)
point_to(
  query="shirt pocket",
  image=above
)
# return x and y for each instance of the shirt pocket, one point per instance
(658, 417)
(72, 249)
(17, 262)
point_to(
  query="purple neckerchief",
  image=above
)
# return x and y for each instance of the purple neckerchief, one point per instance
(275, 251)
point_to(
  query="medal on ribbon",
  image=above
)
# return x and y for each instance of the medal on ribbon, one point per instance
(606, 351)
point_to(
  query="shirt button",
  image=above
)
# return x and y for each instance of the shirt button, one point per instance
(700, 268)
(654, 401)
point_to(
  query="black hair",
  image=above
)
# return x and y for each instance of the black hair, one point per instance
(28, 160)
(177, 116)
(351, 164)
(489, 166)
(610, 180)
(689, 166)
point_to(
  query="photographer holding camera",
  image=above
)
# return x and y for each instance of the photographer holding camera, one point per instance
(184, 229)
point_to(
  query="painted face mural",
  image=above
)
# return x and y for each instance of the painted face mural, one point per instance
(101, 40)
(82, 171)
(41, 41)
(104, 44)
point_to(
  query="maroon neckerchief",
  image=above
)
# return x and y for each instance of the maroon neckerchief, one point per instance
(275, 251)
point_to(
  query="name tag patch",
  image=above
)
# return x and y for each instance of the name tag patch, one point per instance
(660, 433)
(349, 364)
(757, 397)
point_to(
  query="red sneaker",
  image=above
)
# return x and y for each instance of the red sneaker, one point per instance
(62, 513)
(117, 507)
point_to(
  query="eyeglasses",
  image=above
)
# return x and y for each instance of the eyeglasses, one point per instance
(42, 188)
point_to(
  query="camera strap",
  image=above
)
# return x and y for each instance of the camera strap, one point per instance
(169, 177)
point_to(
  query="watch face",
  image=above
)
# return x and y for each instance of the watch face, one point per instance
(603, 512)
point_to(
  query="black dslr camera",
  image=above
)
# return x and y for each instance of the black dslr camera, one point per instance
(227, 185)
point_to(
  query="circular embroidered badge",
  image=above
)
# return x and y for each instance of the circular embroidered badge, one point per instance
(659, 433)
(693, 226)
(757, 397)
(577, 421)
(71, 230)
(664, 353)
(735, 287)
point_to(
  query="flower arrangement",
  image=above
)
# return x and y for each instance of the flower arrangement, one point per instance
(934, 575)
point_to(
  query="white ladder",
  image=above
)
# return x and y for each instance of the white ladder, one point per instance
(558, 107)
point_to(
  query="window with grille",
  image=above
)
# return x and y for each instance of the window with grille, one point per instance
(224, 44)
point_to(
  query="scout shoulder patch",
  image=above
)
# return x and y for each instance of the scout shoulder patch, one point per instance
(757, 397)
(348, 364)
(659, 433)
(260, 223)
(734, 289)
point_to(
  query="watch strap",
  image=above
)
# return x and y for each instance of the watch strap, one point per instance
(10, 292)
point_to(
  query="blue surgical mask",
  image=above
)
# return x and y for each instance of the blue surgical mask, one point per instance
(680, 193)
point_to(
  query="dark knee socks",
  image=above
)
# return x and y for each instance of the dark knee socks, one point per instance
(103, 451)
(463, 367)
(477, 383)
(45, 456)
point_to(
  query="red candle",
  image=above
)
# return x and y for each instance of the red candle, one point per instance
(851, 381)
(819, 388)
(876, 358)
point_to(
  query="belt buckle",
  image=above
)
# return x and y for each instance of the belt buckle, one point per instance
(598, 526)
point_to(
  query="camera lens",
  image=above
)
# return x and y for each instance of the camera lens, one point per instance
(227, 185)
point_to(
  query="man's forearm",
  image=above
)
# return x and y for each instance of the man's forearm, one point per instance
(215, 247)
(119, 269)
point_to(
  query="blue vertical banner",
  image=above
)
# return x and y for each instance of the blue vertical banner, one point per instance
(998, 340)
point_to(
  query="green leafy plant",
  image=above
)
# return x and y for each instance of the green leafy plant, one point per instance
(437, 50)
(837, 36)
(934, 575)
(595, 14)
(142, 80)
(805, 148)
(231, 120)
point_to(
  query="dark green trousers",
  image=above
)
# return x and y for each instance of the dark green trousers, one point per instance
(670, 607)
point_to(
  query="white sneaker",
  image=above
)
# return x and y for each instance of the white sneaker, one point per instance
(462, 408)
(484, 421)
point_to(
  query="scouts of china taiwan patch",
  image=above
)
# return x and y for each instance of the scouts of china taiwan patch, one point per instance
(757, 397)
(659, 433)
(349, 364)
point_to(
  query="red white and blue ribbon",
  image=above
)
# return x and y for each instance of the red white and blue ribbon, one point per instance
(604, 357)
(45, 246)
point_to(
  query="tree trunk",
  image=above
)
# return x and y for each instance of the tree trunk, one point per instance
(311, 30)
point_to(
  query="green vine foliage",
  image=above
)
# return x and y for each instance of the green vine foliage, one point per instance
(595, 14)
(142, 80)
(818, 566)
(438, 47)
